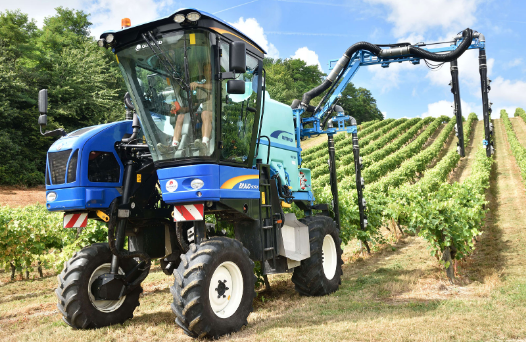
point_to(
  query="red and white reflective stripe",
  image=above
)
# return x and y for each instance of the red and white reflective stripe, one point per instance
(75, 220)
(189, 212)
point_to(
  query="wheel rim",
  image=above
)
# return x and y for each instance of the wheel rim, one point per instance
(329, 256)
(104, 305)
(226, 289)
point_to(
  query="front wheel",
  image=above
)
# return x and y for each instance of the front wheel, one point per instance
(76, 302)
(213, 288)
(320, 274)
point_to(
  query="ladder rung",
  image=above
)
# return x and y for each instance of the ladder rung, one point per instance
(267, 227)
(266, 205)
(264, 184)
(268, 249)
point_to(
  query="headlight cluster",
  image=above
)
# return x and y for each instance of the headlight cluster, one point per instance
(192, 16)
(108, 40)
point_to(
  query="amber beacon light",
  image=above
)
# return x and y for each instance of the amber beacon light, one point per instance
(125, 22)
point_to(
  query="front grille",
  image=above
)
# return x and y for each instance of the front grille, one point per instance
(72, 168)
(57, 165)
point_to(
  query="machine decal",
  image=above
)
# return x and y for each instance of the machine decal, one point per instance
(189, 212)
(171, 185)
(75, 220)
(229, 184)
(277, 133)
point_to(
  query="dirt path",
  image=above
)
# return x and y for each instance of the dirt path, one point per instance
(519, 126)
(463, 169)
(16, 197)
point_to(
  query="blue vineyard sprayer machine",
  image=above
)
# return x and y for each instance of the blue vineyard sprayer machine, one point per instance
(202, 138)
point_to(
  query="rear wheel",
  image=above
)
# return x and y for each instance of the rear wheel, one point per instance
(213, 288)
(321, 273)
(77, 303)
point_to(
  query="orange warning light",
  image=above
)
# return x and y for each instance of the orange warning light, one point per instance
(126, 22)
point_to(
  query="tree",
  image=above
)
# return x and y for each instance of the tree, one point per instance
(360, 104)
(289, 79)
(84, 82)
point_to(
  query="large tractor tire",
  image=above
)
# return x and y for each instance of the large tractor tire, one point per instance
(213, 288)
(76, 302)
(320, 274)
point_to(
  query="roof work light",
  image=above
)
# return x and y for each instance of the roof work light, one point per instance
(125, 22)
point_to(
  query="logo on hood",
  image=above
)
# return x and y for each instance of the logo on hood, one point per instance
(287, 136)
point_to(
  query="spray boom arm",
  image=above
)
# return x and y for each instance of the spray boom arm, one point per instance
(365, 54)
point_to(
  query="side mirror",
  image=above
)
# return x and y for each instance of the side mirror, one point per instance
(42, 107)
(235, 87)
(238, 57)
(42, 101)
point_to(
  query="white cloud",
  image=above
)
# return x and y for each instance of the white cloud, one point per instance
(445, 107)
(468, 73)
(384, 114)
(104, 14)
(410, 16)
(107, 14)
(38, 10)
(389, 78)
(514, 63)
(308, 56)
(412, 38)
(253, 30)
(507, 93)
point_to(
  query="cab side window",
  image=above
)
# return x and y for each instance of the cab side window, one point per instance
(237, 111)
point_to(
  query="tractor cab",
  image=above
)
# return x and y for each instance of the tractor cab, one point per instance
(189, 81)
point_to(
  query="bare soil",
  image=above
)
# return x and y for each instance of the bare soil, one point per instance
(21, 197)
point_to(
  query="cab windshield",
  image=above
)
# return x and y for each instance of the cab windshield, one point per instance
(170, 80)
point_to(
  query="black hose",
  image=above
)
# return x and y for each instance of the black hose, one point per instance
(128, 102)
(341, 65)
(343, 62)
(467, 36)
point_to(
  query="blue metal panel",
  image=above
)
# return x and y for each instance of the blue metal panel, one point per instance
(83, 194)
(99, 138)
(220, 181)
(285, 147)
(304, 196)
(183, 176)
(80, 198)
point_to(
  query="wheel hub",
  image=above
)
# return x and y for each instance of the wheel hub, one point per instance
(226, 289)
(102, 304)
(221, 289)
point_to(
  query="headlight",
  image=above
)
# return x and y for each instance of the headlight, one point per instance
(197, 184)
(51, 196)
(109, 38)
(193, 16)
(101, 42)
(179, 18)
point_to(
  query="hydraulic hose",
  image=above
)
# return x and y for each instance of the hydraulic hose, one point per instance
(467, 36)
(343, 62)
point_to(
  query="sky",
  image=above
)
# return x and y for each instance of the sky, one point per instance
(320, 30)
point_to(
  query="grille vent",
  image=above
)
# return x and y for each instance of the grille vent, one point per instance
(57, 165)
(72, 168)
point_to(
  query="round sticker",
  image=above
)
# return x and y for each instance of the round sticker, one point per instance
(171, 185)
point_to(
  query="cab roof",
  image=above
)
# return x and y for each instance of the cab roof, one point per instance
(207, 20)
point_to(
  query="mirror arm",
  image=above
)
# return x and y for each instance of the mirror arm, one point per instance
(227, 76)
(55, 132)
